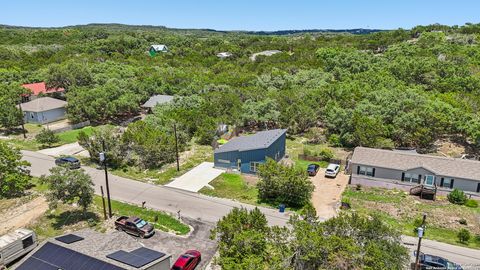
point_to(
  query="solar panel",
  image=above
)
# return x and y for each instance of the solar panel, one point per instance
(147, 253)
(53, 257)
(69, 238)
(128, 258)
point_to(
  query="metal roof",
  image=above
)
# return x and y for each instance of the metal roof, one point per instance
(404, 161)
(157, 99)
(259, 140)
(159, 47)
(11, 237)
(43, 104)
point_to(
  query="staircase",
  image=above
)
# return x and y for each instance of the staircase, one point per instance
(424, 192)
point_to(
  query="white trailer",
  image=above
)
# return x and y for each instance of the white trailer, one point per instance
(16, 244)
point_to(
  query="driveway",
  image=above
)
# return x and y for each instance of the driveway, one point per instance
(196, 178)
(327, 193)
(65, 150)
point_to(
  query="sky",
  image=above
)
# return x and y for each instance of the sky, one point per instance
(254, 15)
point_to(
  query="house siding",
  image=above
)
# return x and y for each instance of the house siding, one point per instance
(44, 117)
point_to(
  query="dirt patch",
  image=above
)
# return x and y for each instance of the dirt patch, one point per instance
(327, 193)
(446, 147)
(21, 215)
(251, 180)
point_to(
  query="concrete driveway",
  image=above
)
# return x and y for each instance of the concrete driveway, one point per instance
(196, 178)
(65, 150)
(327, 193)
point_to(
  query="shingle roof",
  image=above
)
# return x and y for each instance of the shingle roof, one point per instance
(41, 88)
(259, 140)
(43, 104)
(158, 99)
(403, 161)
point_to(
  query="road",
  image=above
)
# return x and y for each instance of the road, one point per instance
(192, 205)
(209, 209)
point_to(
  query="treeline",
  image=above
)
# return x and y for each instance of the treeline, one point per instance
(384, 89)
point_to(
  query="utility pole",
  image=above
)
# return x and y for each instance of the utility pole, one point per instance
(420, 231)
(103, 158)
(176, 145)
(103, 202)
(23, 120)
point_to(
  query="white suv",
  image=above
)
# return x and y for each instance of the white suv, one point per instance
(332, 170)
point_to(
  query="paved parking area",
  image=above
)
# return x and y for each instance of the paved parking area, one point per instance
(327, 193)
(199, 239)
(196, 178)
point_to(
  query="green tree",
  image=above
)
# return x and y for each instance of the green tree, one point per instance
(10, 114)
(46, 137)
(108, 136)
(68, 186)
(464, 236)
(457, 196)
(14, 177)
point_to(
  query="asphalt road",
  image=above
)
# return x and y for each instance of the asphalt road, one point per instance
(209, 209)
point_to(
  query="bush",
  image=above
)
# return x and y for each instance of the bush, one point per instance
(462, 221)
(307, 152)
(325, 154)
(47, 137)
(477, 238)
(334, 140)
(358, 187)
(463, 236)
(471, 203)
(457, 197)
(417, 222)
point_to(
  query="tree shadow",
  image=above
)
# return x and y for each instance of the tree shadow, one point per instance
(72, 217)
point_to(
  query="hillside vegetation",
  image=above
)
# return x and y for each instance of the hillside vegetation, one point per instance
(384, 89)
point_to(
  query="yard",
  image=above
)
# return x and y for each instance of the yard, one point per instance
(404, 212)
(233, 186)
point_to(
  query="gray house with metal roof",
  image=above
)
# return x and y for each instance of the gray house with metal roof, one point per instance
(157, 100)
(399, 169)
(43, 110)
(246, 153)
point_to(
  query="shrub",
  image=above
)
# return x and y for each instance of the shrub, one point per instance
(462, 221)
(325, 154)
(477, 238)
(457, 197)
(417, 222)
(47, 137)
(358, 187)
(471, 203)
(463, 236)
(334, 140)
(307, 152)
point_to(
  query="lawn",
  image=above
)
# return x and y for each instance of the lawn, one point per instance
(401, 210)
(232, 186)
(70, 136)
(295, 146)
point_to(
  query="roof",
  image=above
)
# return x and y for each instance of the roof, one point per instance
(9, 238)
(43, 104)
(259, 140)
(96, 245)
(157, 99)
(41, 88)
(159, 47)
(224, 54)
(266, 53)
(404, 161)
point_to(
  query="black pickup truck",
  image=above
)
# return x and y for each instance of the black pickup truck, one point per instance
(135, 226)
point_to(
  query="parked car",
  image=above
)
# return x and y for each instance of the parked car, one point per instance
(332, 170)
(312, 169)
(134, 226)
(16, 244)
(430, 262)
(188, 260)
(70, 162)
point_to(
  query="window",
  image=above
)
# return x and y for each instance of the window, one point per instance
(27, 242)
(254, 166)
(411, 177)
(447, 182)
(429, 180)
(368, 171)
(362, 170)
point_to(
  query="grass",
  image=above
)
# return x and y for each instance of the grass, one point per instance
(165, 222)
(400, 210)
(70, 136)
(232, 186)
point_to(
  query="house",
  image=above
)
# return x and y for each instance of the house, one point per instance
(253, 57)
(154, 49)
(157, 100)
(404, 170)
(246, 153)
(223, 55)
(39, 88)
(43, 110)
(88, 249)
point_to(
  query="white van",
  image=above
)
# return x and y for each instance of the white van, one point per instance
(16, 244)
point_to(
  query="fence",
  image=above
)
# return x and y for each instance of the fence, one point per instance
(316, 158)
(72, 127)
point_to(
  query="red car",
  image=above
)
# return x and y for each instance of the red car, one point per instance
(188, 260)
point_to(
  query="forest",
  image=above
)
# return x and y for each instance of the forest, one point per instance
(398, 88)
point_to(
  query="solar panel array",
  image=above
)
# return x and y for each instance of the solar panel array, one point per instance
(137, 258)
(69, 238)
(54, 257)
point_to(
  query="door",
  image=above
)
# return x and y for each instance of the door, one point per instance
(429, 180)
(131, 228)
(239, 165)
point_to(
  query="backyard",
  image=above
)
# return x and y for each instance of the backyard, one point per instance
(404, 212)
(233, 186)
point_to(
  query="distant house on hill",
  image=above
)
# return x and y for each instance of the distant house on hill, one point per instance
(44, 110)
(154, 49)
(156, 100)
(223, 55)
(39, 88)
(253, 57)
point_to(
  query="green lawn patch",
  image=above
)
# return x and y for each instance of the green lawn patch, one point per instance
(70, 136)
(232, 186)
(165, 222)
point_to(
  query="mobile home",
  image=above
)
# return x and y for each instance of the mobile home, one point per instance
(16, 244)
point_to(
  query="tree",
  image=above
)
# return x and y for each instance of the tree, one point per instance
(283, 184)
(47, 137)
(14, 177)
(68, 186)
(108, 136)
(457, 196)
(464, 236)
(10, 114)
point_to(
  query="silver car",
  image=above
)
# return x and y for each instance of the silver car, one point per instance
(332, 170)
